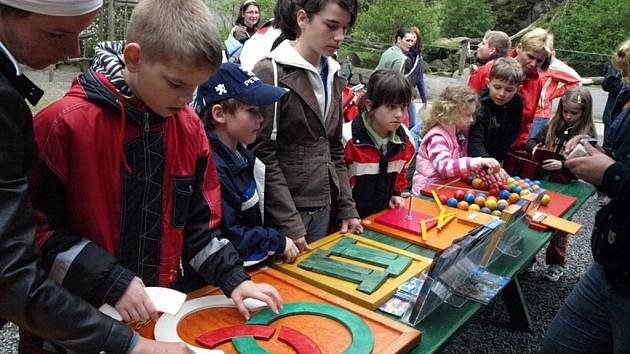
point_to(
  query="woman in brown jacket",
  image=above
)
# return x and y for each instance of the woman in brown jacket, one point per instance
(300, 139)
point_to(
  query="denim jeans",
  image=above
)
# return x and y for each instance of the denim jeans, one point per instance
(537, 125)
(316, 223)
(593, 319)
(412, 110)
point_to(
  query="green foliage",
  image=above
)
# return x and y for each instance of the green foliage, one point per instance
(382, 18)
(466, 18)
(591, 25)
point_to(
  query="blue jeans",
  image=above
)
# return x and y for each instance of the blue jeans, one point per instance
(537, 125)
(412, 110)
(594, 319)
(316, 223)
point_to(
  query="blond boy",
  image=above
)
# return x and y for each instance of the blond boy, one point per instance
(127, 194)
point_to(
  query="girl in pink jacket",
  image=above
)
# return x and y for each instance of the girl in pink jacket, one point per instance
(443, 151)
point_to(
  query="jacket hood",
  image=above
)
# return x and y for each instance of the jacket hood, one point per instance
(286, 54)
(103, 84)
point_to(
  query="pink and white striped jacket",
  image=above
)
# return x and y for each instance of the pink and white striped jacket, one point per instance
(440, 156)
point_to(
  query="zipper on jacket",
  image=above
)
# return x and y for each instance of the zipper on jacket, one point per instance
(146, 122)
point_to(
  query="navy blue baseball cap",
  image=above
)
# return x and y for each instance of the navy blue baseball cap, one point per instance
(231, 81)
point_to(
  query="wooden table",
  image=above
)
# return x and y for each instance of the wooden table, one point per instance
(446, 321)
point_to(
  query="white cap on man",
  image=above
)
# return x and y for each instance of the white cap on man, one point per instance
(55, 7)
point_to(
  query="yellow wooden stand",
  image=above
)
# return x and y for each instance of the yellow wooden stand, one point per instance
(347, 289)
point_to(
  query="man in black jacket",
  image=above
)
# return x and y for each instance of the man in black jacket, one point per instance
(596, 315)
(38, 33)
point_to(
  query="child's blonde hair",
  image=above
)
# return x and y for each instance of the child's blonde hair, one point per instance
(584, 125)
(175, 31)
(500, 41)
(445, 110)
(537, 39)
(621, 60)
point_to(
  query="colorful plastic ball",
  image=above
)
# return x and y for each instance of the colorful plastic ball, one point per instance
(535, 187)
(443, 198)
(480, 195)
(536, 182)
(494, 191)
(504, 194)
(501, 204)
(486, 210)
(459, 194)
(527, 180)
(483, 186)
(452, 202)
(513, 198)
(469, 198)
(517, 178)
(517, 189)
(468, 179)
(496, 213)
(481, 201)
(524, 192)
(462, 205)
(491, 204)
(546, 199)
(476, 182)
(510, 180)
(474, 207)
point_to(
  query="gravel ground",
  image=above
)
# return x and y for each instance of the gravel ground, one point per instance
(490, 330)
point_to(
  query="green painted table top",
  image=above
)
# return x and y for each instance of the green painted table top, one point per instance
(444, 323)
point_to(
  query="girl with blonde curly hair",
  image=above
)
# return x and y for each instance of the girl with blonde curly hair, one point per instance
(443, 151)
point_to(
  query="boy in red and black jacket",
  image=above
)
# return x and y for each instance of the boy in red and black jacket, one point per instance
(127, 193)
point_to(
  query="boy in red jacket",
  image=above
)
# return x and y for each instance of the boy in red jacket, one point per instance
(127, 193)
(535, 46)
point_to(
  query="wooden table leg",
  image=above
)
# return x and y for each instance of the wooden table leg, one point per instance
(516, 305)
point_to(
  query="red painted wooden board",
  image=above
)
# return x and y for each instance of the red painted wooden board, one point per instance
(397, 218)
(558, 205)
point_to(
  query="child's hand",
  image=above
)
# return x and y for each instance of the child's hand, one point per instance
(353, 225)
(263, 292)
(135, 304)
(552, 165)
(538, 146)
(396, 202)
(290, 251)
(301, 244)
(500, 175)
(491, 164)
(147, 346)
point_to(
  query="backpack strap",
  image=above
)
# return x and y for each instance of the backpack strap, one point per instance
(274, 131)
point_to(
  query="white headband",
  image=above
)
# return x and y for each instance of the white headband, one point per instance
(55, 7)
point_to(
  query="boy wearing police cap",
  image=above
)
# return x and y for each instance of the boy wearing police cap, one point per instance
(229, 104)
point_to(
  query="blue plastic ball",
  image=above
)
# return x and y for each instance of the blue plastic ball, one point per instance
(504, 194)
(469, 198)
(452, 202)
